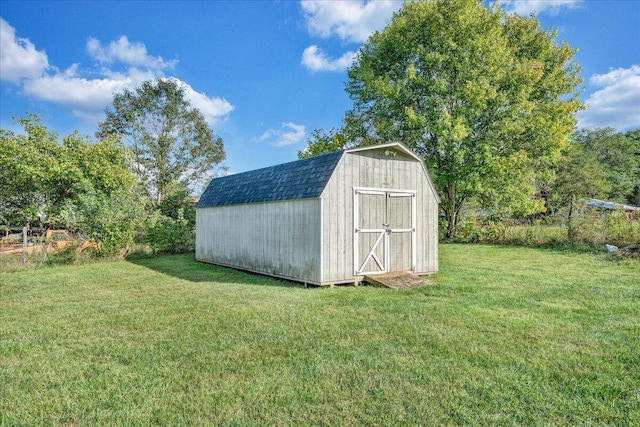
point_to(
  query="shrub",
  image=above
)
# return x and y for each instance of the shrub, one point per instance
(167, 235)
(112, 220)
(472, 229)
(594, 227)
(591, 228)
(468, 230)
(66, 255)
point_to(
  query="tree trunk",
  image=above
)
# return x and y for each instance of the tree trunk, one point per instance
(571, 232)
(451, 207)
(24, 244)
(452, 224)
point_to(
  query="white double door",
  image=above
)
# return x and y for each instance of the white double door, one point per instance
(384, 230)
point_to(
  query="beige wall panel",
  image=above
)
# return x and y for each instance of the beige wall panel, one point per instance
(279, 238)
(374, 169)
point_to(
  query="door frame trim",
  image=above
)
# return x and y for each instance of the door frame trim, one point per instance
(386, 192)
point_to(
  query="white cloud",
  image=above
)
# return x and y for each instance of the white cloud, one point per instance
(122, 50)
(617, 103)
(527, 7)
(355, 20)
(87, 97)
(352, 21)
(315, 60)
(267, 135)
(211, 108)
(288, 134)
(18, 57)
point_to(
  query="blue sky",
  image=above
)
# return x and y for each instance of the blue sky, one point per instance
(264, 74)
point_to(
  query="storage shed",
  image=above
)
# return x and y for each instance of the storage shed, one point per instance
(325, 220)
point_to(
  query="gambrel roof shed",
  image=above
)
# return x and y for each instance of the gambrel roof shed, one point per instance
(324, 220)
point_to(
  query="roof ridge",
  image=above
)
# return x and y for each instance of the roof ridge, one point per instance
(281, 164)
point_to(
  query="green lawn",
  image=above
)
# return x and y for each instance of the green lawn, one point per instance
(507, 336)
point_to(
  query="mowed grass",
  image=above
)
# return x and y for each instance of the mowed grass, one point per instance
(506, 336)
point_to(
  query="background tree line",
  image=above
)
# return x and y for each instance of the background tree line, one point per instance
(487, 99)
(600, 163)
(133, 183)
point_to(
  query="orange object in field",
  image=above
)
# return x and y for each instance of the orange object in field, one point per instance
(54, 240)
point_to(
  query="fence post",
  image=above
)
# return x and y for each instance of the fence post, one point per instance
(24, 244)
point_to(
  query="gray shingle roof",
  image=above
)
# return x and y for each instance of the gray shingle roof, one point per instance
(302, 179)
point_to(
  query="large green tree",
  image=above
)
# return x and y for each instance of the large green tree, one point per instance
(483, 96)
(172, 144)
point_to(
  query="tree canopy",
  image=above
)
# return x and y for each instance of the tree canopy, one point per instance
(170, 140)
(38, 175)
(481, 95)
(619, 154)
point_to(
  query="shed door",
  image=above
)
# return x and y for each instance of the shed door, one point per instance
(384, 230)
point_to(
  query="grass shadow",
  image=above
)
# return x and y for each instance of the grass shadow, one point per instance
(186, 267)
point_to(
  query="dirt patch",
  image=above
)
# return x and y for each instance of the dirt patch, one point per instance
(397, 280)
(631, 251)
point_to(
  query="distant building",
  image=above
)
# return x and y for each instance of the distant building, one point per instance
(604, 205)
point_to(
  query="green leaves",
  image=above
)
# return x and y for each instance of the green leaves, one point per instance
(173, 149)
(580, 175)
(165, 234)
(620, 155)
(81, 185)
(322, 143)
(482, 95)
(170, 140)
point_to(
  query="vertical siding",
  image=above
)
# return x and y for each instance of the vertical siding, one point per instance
(371, 214)
(278, 238)
(376, 170)
(399, 210)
